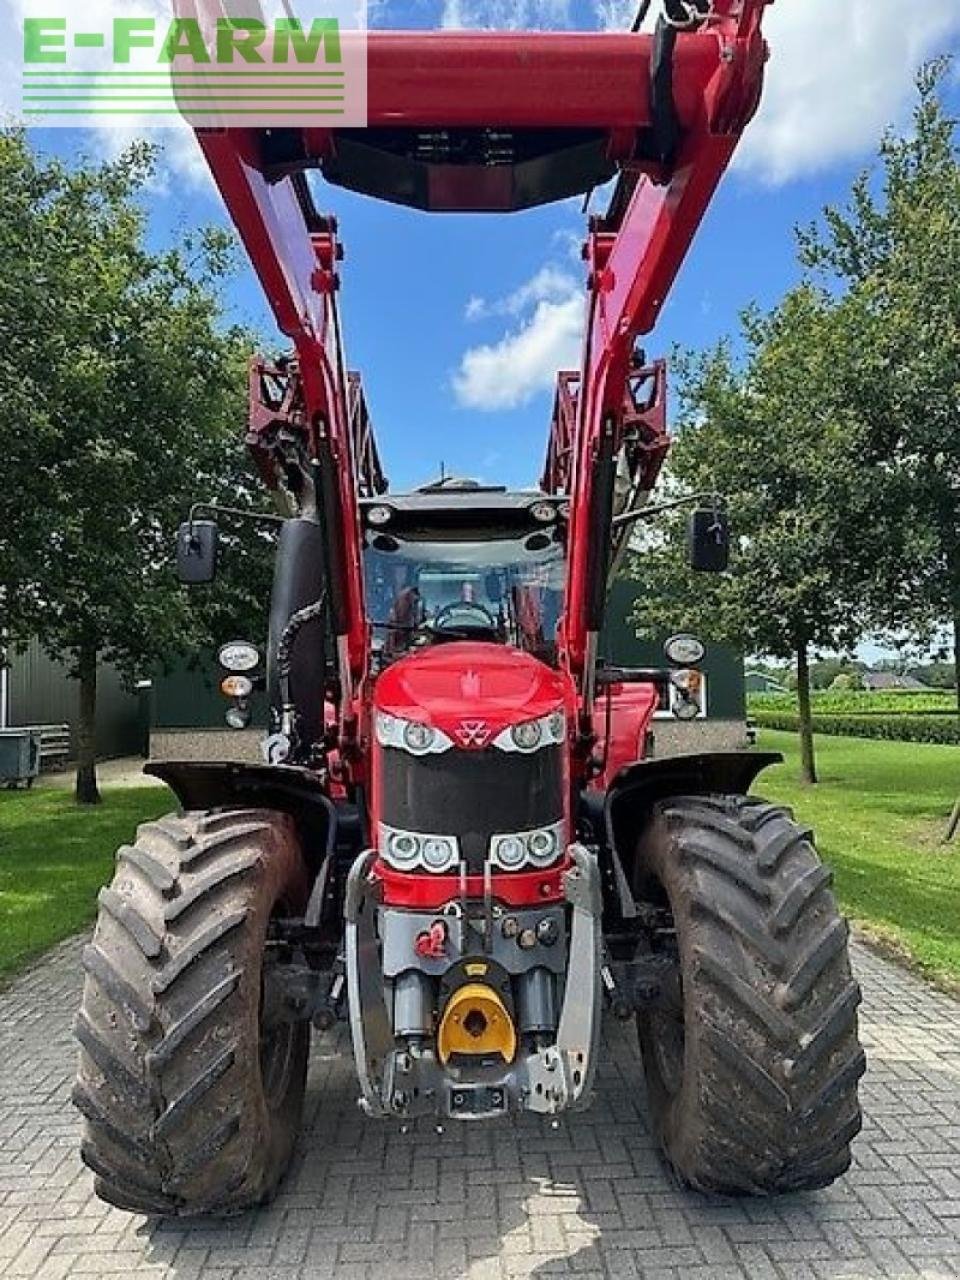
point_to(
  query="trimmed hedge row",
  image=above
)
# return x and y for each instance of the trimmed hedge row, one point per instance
(902, 728)
(859, 702)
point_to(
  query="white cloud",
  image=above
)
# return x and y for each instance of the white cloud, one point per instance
(524, 362)
(570, 243)
(840, 73)
(550, 284)
(181, 162)
(505, 15)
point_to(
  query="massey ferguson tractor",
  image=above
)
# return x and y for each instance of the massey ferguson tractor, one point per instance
(458, 839)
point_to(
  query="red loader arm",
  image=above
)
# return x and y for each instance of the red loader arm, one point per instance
(634, 254)
(495, 122)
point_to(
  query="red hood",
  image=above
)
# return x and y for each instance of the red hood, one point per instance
(450, 685)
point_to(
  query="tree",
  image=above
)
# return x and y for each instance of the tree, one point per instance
(826, 671)
(894, 253)
(936, 675)
(847, 681)
(122, 393)
(818, 544)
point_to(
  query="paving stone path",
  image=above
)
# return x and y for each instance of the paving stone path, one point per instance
(590, 1199)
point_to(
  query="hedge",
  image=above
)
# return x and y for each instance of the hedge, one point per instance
(897, 728)
(857, 702)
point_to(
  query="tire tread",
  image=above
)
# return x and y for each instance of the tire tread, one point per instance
(169, 1084)
(769, 1103)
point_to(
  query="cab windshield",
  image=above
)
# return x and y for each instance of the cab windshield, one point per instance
(437, 587)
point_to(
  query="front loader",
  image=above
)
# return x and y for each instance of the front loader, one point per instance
(458, 840)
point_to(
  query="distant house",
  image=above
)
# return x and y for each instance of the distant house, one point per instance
(888, 682)
(757, 682)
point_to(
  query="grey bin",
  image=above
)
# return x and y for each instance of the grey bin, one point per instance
(19, 757)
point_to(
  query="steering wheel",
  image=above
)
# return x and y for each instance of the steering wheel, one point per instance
(482, 619)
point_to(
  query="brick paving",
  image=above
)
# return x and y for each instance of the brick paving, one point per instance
(589, 1199)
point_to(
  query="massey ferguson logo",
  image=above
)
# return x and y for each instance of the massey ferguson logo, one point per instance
(474, 733)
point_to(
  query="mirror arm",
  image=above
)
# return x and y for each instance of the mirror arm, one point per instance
(212, 507)
(632, 517)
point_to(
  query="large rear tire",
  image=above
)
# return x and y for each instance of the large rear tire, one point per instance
(752, 1076)
(191, 1101)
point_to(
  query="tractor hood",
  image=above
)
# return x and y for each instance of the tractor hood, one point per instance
(472, 691)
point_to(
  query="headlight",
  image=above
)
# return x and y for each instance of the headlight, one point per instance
(403, 848)
(686, 709)
(540, 848)
(439, 853)
(547, 731)
(543, 847)
(544, 512)
(418, 738)
(526, 737)
(410, 851)
(509, 851)
(379, 517)
(237, 687)
(239, 717)
(685, 651)
(687, 695)
(239, 656)
(411, 736)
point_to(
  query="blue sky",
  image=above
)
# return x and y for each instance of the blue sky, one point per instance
(458, 322)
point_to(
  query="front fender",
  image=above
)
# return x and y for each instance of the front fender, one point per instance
(199, 786)
(635, 789)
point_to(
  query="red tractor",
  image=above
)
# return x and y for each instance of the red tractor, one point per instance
(457, 840)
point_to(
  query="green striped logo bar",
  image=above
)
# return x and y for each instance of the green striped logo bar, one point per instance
(208, 68)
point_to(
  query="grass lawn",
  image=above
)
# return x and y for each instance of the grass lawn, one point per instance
(880, 812)
(55, 856)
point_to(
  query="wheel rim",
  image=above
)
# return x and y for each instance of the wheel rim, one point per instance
(276, 1060)
(666, 1023)
(669, 1047)
(278, 1039)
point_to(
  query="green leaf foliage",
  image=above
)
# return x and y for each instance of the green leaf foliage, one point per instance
(835, 702)
(122, 392)
(818, 541)
(894, 254)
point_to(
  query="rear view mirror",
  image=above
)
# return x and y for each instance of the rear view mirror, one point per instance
(709, 542)
(197, 548)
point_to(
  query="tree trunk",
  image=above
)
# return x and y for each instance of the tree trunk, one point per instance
(808, 761)
(956, 654)
(954, 825)
(87, 790)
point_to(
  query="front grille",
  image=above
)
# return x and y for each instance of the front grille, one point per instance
(472, 795)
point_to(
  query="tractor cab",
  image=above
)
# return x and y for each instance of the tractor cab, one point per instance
(460, 562)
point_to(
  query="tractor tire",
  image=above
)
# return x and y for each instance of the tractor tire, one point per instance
(191, 1107)
(752, 1069)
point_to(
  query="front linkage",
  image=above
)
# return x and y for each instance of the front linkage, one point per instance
(498, 1047)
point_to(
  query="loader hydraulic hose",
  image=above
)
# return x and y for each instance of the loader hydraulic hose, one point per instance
(330, 517)
(604, 484)
(291, 633)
